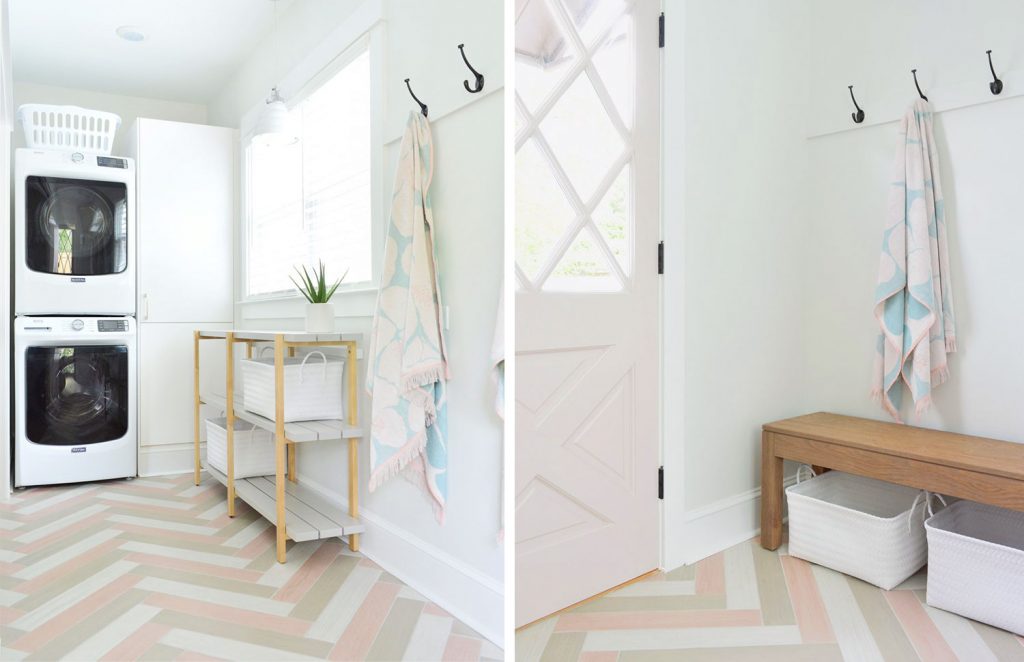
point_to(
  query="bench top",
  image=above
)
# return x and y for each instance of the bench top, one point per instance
(989, 456)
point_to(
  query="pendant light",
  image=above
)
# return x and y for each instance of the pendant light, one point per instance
(274, 126)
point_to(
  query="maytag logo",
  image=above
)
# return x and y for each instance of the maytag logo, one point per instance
(77, 280)
(78, 449)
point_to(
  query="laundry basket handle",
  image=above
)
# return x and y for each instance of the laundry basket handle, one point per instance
(259, 352)
(924, 497)
(802, 468)
(323, 367)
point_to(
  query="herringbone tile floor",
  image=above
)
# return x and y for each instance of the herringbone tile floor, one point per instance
(154, 569)
(747, 603)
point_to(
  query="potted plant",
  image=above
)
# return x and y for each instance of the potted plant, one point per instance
(319, 312)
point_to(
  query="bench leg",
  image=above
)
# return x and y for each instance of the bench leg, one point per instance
(771, 493)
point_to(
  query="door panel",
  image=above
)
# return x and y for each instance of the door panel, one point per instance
(587, 224)
(186, 179)
(165, 382)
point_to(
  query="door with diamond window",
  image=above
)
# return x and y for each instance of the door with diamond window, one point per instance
(587, 227)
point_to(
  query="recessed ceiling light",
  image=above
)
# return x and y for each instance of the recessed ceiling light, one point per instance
(130, 33)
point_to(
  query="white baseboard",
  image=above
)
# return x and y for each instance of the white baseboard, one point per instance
(463, 591)
(720, 525)
(168, 459)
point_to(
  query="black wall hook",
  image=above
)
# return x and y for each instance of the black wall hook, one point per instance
(423, 106)
(914, 71)
(858, 116)
(996, 86)
(479, 76)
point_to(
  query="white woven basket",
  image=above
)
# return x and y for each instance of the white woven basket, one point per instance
(68, 128)
(254, 448)
(312, 387)
(976, 564)
(863, 527)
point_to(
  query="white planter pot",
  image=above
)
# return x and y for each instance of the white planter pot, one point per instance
(319, 317)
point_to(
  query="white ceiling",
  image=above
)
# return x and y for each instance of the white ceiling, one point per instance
(191, 48)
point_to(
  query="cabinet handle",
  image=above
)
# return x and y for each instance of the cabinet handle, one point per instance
(145, 306)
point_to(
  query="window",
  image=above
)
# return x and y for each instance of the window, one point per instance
(311, 201)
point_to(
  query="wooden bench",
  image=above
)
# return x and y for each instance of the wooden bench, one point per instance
(974, 468)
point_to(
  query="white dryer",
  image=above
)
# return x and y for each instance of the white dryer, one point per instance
(74, 397)
(74, 233)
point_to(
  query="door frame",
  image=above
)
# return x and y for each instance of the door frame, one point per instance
(673, 308)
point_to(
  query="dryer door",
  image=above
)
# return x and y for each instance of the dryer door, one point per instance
(76, 227)
(76, 395)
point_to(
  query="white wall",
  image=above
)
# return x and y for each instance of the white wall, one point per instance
(129, 108)
(735, 78)
(982, 165)
(460, 564)
(783, 201)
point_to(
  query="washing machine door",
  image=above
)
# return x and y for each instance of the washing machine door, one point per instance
(76, 227)
(76, 395)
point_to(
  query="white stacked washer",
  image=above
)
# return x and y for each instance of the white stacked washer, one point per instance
(75, 332)
(74, 397)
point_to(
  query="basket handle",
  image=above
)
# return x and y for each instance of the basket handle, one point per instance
(800, 470)
(259, 352)
(323, 367)
(926, 501)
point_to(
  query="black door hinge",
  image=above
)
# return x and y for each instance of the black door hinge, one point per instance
(661, 482)
(661, 257)
(661, 30)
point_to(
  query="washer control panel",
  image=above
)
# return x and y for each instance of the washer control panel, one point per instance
(114, 326)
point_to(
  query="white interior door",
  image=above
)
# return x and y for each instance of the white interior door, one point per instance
(587, 227)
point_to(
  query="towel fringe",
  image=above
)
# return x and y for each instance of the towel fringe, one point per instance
(950, 344)
(424, 377)
(923, 405)
(397, 462)
(882, 399)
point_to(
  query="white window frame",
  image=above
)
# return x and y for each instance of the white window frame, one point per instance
(361, 33)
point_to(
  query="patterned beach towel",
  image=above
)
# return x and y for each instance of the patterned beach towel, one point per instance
(408, 364)
(913, 299)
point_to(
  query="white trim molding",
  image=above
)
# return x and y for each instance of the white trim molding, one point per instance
(718, 526)
(168, 459)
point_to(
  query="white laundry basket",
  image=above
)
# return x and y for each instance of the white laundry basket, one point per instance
(312, 387)
(68, 128)
(863, 527)
(976, 564)
(254, 448)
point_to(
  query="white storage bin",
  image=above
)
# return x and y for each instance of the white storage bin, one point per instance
(976, 564)
(68, 128)
(312, 387)
(254, 448)
(860, 526)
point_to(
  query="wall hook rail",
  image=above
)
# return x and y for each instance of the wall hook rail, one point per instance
(479, 83)
(423, 106)
(858, 116)
(914, 71)
(996, 86)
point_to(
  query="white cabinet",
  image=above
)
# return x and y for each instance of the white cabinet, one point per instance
(186, 215)
(166, 371)
(186, 209)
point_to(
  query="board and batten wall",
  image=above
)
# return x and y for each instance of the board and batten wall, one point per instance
(459, 565)
(774, 208)
(874, 44)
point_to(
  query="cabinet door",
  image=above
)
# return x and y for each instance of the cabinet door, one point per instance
(165, 382)
(186, 215)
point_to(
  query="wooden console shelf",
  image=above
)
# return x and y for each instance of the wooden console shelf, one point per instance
(297, 512)
(975, 468)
